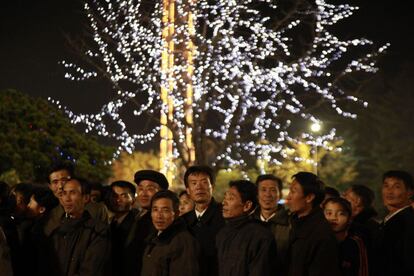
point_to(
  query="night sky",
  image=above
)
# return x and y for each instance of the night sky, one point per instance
(33, 42)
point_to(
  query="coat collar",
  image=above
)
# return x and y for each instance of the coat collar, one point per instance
(212, 209)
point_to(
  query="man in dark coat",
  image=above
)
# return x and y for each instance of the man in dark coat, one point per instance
(313, 250)
(149, 182)
(245, 246)
(79, 245)
(206, 219)
(171, 250)
(123, 228)
(394, 246)
(274, 215)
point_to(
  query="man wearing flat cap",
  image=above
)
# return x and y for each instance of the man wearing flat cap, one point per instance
(148, 183)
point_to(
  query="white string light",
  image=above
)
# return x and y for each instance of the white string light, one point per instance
(234, 87)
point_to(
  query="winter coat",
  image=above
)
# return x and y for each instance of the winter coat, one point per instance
(128, 243)
(77, 246)
(245, 246)
(281, 229)
(313, 250)
(394, 245)
(173, 252)
(205, 231)
(5, 258)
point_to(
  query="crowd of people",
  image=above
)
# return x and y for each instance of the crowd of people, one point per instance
(129, 228)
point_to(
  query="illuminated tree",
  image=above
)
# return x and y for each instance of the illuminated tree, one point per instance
(261, 68)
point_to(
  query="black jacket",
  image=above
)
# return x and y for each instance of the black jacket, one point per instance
(313, 250)
(281, 229)
(394, 245)
(205, 232)
(77, 247)
(173, 252)
(245, 246)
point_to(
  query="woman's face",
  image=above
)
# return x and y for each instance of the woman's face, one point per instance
(186, 204)
(337, 216)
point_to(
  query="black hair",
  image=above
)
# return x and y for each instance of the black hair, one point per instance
(84, 184)
(5, 202)
(199, 170)
(25, 189)
(402, 175)
(311, 184)
(61, 167)
(247, 191)
(331, 191)
(45, 198)
(184, 192)
(341, 201)
(125, 184)
(366, 195)
(263, 177)
(169, 195)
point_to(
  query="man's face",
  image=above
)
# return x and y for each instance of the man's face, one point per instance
(96, 196)
(56, 181)
(73, 201)
(233, 205)
(199, 188)
(296, 200)
(162, 213)
(354, 200)
(34, 209)
(268, 194)
(146, 189)
(395, 194)
(121, 199)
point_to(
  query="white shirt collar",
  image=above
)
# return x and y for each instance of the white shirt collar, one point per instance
(200, 214)
(388, 217)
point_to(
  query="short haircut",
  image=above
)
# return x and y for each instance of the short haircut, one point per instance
(366, 195)
(169, 195)
(25, 189)
(125, 184)
(184, 192)
(45, 198)
(84, 185)
(247, 191)
(5, 201)
(263, 177)
(311, 184)
(341, 201)
(199, 170)
(402, 175)
(60, 167)
(331, 191)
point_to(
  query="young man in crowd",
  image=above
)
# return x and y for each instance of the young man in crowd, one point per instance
(394, 246)
(123, 228)
(313, 249)
(171, 249)
(206, 219)
(244, 245)
(79, 244)
(274, 215)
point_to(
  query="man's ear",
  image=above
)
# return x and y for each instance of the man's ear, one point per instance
(309, 198)
(247, 206)
(86, 198)
(42, 210)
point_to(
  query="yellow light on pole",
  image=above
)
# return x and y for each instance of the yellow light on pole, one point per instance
(315, 127)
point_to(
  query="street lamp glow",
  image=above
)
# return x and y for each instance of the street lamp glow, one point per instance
(315, 127)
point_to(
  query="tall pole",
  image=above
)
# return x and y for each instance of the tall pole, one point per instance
(170, 49)
(167, 65)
